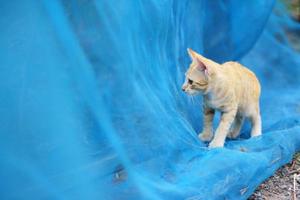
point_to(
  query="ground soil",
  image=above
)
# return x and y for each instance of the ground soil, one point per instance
(283, 185)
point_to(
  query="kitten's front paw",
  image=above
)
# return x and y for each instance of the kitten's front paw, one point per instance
(205, 137)
(215, 144)
(255, 134)
(232, 135)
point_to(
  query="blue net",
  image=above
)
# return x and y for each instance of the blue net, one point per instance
(92, 108)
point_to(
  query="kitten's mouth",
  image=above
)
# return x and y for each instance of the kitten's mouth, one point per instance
(192, 93)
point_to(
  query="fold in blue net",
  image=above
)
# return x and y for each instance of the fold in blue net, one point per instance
(92, 108)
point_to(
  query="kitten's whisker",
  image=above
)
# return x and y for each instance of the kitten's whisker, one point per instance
(190, 99)
(193, 100)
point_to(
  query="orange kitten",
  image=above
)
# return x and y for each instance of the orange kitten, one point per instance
(229, 88)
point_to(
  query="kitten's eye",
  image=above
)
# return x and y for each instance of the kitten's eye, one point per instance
(190, 81)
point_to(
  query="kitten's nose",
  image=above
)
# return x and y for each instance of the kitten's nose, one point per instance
(183, 89)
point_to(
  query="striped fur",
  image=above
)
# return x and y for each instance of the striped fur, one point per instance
(229, 88)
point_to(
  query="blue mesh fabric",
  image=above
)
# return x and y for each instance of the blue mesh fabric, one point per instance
(92, 108)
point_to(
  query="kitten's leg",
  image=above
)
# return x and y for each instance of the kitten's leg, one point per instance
(223, 128)
(256, 125)
(236, 127)
(207, 132)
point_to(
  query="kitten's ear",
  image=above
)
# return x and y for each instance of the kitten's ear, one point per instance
(198, 59)
(192, 54)
(204, 65)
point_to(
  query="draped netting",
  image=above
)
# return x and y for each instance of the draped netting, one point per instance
(92, 108)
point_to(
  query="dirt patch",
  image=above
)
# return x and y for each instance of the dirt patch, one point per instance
(283, 185)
